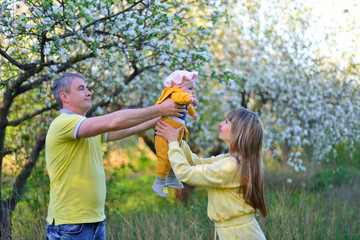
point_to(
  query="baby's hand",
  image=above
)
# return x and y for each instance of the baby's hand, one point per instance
(193, 101)
(195, 116)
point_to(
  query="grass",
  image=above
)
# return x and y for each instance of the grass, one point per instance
(333, 214)
(323, 205)
(313, 208)
(169, 222)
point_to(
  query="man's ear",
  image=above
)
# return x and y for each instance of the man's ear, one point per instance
(64, 97)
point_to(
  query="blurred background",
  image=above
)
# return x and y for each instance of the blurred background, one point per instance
(295, 63)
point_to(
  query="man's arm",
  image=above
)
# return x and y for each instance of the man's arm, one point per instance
(116, 135)
(126, 118)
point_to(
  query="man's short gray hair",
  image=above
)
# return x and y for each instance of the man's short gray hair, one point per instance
(62, 84)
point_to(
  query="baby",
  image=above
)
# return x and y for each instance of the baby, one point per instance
(180, 88)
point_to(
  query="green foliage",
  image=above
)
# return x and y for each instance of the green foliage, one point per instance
(122, 47)
(344, 155)
(251, 54)
(331, 178)
(170, 221)
(129, 186)
(135, 212)
(31, 210)
(300, 214)
(342, 168)
(305, 208)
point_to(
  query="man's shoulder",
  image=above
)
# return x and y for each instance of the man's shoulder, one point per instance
(70, 120)
(64, 126)
(67, 117)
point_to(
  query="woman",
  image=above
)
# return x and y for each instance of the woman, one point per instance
(234, 181)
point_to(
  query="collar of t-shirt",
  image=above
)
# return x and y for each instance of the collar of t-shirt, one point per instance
(66, 111)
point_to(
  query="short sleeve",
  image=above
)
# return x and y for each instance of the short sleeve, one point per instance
(67, 126)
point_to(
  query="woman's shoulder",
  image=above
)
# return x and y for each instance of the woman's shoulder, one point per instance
(227, 163)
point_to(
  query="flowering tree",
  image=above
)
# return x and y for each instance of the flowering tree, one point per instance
(308, 102)
(121, 46)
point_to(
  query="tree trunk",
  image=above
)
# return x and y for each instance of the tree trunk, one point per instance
(4, 225)
(149, 141)
(8, 206)
(5, 221)
(183, 195)
(286, 150)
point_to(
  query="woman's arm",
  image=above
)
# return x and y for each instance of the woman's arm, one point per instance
(214, 172)
(219, 174)
(194, 159)
(170, 134)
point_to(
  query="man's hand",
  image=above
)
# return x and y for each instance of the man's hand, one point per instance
(170, 108)
(193, 101)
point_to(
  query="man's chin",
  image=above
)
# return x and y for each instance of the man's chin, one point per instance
(88, 106)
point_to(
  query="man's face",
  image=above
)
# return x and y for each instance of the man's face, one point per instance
(79, 97)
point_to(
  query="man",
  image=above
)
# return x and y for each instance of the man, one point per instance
(74, 157)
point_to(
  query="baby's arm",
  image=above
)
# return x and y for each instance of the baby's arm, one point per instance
(181, 97)
(192, 112)
(193, 101)
(186, 98)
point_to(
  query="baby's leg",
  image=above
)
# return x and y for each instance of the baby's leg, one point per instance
(163, 166)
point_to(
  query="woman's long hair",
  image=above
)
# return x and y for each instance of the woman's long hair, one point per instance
(246, 148)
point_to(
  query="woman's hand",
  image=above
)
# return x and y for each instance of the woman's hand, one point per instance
(166, 131)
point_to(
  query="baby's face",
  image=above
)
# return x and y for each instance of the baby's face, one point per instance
(188, 87)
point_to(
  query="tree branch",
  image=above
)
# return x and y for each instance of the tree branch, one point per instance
(21, 179)
(30, 85)
(117, 90)
(24, 67)
(30, 115)
(9, 150)
(73, 60)
(25, 76)
(100, 20)
(14, 89)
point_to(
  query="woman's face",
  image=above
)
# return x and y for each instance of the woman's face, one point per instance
(226, 131)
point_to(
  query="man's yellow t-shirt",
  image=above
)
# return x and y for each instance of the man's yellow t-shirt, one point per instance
(76, 171)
